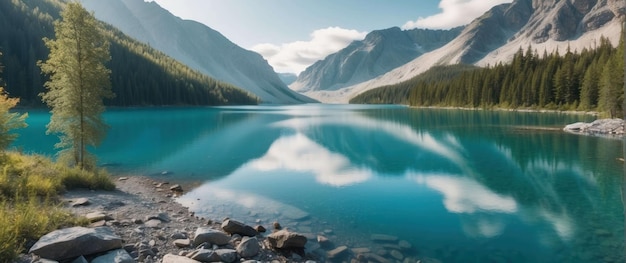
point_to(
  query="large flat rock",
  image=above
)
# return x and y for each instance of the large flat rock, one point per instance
(73, 242)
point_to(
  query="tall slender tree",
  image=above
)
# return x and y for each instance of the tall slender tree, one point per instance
(9, 120)
(79, 81)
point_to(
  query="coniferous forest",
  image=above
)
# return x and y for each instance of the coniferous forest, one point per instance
(589, 80)
(141, 75)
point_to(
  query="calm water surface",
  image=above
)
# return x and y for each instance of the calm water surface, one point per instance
(459, 186)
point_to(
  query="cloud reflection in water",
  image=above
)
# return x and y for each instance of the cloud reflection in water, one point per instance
(299, 153)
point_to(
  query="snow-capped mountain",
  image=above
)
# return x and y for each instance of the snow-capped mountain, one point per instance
(546, 25)
(380, 52)
(197, 46)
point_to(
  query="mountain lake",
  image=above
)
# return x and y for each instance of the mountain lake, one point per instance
(450, 185)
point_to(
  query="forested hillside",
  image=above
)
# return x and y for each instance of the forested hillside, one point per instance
(140, 74)
(588, 80)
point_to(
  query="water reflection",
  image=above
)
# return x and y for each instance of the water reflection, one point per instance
(300, 154)
(459, 185)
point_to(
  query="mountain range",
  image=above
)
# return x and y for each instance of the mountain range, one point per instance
(494, 37)
(380, 52)
(197, 46)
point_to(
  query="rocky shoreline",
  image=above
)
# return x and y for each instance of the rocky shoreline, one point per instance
(601, 127)
(142, 222)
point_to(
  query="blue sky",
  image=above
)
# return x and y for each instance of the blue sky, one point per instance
(293, 34)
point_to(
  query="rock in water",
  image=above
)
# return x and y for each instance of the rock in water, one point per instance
(337, 252)
(210, 235)
(249, 247)
(114, 256)
(383, 238)
(235, 227)
(286, 239)
(76, 241)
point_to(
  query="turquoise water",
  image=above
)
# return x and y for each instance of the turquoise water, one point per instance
(459, 186)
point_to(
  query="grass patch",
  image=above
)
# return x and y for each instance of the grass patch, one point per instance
(29, 199)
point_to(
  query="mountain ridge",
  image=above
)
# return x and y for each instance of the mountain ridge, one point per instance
(512, 26)
(197, 46)
(380, 51)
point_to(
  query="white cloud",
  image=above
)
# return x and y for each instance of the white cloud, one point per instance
(294, 57)
(454, 13)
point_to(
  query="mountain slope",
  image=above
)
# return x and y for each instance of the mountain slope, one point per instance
(195, 45)
(140, 74)
(380, 52)
(548, 25)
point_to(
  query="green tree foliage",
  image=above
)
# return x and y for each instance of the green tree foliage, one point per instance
(586, 80)
(140, 75)
(79, 81)
(9, 120)
(611, 84)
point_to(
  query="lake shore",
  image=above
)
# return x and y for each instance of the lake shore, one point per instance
(131, 210)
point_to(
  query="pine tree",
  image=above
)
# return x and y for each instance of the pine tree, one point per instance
(611, 87)
(79, 81)
(9, 120)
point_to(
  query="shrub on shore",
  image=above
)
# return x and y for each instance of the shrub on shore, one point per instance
(29, 198)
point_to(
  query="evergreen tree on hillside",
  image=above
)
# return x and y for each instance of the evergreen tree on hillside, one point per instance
(79, 81)
(9, 120)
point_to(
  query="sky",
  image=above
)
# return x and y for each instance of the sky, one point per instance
(293, 34)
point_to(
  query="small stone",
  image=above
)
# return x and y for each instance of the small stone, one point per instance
(236, 227)
(204, 255)
(98, 223)
(260, 229)
(361, 250)
(80, 202)
(178, 235)
(95, 216)
(153, 223)
(286, 239)
(249, 247)
(176, 188)
(397, 254)
(152, 243)
(376, 258)
(227, 255)
(181, 243)
(404, 244)
(336, 252)
(170, 258)
(122, 178)
(383, 238)
(277, 226)
(138, 221)
(323, 240)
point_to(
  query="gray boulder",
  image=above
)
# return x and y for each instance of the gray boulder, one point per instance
(236, 227)
(227, 255)
(210, 235)
(249, 247)
(286, 239)
(114, 256)
(73, 242)
(204, 255)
